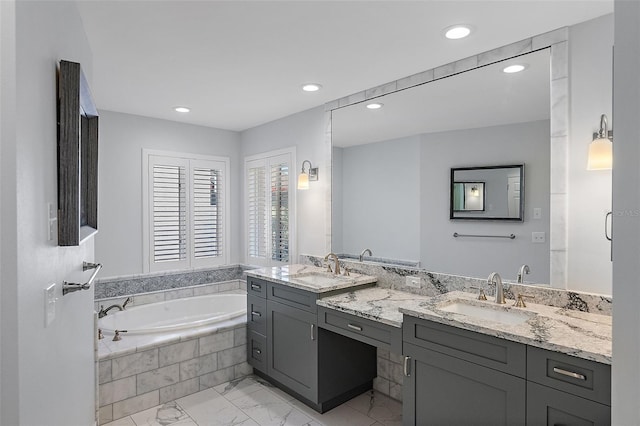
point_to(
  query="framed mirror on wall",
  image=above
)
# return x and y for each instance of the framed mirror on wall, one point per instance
(487, 193)
(77, 157)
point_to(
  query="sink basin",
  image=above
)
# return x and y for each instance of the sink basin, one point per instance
(486, 312)
(320, 279)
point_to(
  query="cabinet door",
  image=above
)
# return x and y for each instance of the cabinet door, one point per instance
(293, 348)
(444, 390)
(546, 406)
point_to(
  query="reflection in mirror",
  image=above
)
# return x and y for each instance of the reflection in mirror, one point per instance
(487, 193)
(392, 170)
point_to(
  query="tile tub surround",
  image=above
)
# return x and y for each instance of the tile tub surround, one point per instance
(140, 372)
(286, 275)
(164, 295)
(146, 283)
(433, 284)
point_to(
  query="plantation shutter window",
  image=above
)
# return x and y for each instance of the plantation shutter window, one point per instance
(269, 209)
(185, 213)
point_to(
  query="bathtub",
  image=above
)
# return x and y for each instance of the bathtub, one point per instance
(175, 314)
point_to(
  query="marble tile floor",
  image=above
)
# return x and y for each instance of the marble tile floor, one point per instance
(251, 401)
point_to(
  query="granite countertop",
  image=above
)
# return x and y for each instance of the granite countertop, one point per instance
(581, 334)
(311, 278)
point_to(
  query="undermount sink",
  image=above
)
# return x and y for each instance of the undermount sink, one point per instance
(318, 279)
(486, 312)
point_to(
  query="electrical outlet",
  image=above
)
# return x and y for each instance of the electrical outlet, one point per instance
(49, 304)
(53, 221)
(538, 237)
(412, 282)
(537, 213)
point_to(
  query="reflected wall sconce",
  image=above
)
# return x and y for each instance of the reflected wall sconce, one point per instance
(601, 148)
(304, 177)
(475, 191)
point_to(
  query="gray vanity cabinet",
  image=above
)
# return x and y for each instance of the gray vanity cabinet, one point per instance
(458, 377)
(285, 346)
(293, 348)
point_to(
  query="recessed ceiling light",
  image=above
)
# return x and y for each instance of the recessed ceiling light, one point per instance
(375, 105)
(311, 87)
(514, 68)
(181, 109)
(456, 32)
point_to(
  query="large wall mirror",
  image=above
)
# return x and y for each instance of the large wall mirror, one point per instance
(391, 187)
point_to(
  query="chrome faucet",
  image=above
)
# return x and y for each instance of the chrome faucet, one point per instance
(103, 312)
(336, 270)
(524, 269)
(365, 251)
(495, 277)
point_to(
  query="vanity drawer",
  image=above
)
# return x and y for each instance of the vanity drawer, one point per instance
(257, 314)
(257, 350)
(257, 287)
(581, 377)
(371, 332)
(293, 297)
(499, 354)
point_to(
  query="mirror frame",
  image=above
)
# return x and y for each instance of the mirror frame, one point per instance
(452, 183)
(560, 83)
(77, 157)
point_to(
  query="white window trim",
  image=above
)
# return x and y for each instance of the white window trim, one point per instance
(146, 203)
(293, 176)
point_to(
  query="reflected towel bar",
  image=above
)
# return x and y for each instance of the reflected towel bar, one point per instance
(68, 287)
(510, 236)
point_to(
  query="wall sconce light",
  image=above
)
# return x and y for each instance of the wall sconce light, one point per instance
(601, 148)
(475, 192)
(304, 177)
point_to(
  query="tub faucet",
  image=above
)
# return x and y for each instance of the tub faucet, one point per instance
(495, 277)
(365, 251)
(336, 270)
(103, 312)
(524, 269)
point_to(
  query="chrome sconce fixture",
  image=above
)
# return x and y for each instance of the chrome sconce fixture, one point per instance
(305, 176)
(601, 148)
(475, 191)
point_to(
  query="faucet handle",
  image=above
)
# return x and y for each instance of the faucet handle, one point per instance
(345, 272)
(519, 303)
(329, 267)
(481, 295)
(117, 337)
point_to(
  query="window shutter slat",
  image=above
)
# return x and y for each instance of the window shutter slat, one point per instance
(169, 213)
(208, 208)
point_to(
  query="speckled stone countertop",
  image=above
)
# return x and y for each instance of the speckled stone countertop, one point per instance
(581, 334)
(311, 278)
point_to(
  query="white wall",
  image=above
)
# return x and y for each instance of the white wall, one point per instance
(306, 132)
(7, 133)
(122, 138)
(524, 143)
(591, 61)
(49, 371)
(380, 199)
(626, 205)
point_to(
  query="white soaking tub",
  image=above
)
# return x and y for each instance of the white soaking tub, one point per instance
(176, 314)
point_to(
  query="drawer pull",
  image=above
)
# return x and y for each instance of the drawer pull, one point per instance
(258, 351)
(256, 287)
(256, 313)
(406, 367)
(569, 373)
(355, 327)
(312, 334)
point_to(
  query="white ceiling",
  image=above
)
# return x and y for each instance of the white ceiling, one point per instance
(239, 64)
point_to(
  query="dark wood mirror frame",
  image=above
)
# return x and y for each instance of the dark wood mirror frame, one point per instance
(77, 157)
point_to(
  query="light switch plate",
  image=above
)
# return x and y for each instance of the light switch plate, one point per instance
(49, 304)
(538, 237)
(412, 282)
